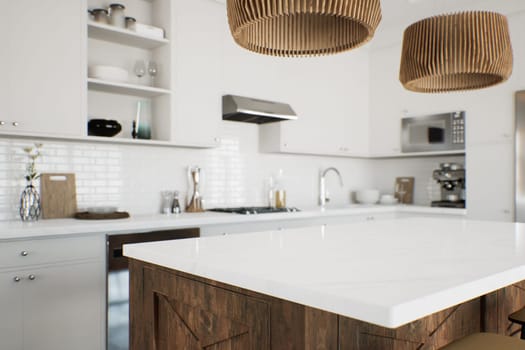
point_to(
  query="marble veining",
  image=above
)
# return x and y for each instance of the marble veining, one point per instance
(387, 272)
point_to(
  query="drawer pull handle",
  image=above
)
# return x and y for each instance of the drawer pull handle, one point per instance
(2, 122)
(15, 123)
(31, 277)
(24, 253)
(16, 279)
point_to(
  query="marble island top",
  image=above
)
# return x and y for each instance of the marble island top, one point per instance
(388, 273)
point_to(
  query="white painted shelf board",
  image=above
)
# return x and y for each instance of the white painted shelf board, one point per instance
(97, 139)
(419, 154)
(126, 89)
(130, 141)
(127, 141)
(123, 36)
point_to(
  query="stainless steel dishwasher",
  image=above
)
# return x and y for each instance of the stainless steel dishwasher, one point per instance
(117, 305)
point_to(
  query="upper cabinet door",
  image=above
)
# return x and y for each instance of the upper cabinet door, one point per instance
(388, 101)
(43, 67)
(199, 30)
(329, 95)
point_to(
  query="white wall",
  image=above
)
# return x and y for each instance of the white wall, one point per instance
(131, 177)
(490, 122)
(385, 171)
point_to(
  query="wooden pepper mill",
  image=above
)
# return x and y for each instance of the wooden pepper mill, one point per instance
(195, 204)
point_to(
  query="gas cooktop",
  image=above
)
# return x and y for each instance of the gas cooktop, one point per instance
(254, 210)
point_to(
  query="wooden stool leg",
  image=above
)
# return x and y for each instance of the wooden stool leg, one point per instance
(519, 318)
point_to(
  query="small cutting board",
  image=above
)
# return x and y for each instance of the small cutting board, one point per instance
(58, 196)
(404, 190)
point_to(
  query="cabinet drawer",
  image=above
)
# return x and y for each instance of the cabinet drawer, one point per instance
(46, 251)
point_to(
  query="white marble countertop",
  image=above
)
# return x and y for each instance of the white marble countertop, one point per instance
(387, 273)
(12, 230)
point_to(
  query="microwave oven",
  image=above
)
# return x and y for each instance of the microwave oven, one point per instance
(438, 132)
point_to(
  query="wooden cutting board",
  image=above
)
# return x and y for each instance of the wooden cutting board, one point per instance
(58, 196)
(404, 190)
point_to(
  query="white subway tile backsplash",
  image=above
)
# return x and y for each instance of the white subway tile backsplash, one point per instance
(131, 177)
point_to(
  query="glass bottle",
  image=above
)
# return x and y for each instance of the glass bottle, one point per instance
(167, 200)
(143, 120)
(176, 209)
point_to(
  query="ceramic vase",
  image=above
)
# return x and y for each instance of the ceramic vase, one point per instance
(30, 204)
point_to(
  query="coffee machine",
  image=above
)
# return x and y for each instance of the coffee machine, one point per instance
(451, 178)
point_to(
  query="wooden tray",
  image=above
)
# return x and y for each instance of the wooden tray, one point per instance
(110, 216)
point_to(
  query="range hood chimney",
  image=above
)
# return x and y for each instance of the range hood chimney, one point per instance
(251, 110)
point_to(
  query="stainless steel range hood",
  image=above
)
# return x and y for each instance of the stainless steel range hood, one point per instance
(251, 110)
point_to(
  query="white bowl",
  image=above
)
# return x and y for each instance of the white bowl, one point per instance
(388, 201)
(367, 196)
(109, 73)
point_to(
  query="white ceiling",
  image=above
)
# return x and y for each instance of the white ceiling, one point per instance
(405, 12)
(399, 14)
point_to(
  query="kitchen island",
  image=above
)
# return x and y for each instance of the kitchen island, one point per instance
(401, 284)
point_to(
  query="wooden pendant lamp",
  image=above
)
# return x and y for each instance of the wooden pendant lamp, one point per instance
(302, 27)
(463, 51)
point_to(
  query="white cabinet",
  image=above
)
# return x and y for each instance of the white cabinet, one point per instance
(50, 302)
(388, 102)
(330, 97)
(200, 27)
(11, 317)
(42, 67)
(490, 182)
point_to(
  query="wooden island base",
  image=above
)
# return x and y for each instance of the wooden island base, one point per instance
(171, 310)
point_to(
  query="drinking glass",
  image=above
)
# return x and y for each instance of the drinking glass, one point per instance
(140, 68)
(166, 202)
(152, 70)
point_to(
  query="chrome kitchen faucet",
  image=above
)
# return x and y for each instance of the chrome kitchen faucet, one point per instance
(323, 198)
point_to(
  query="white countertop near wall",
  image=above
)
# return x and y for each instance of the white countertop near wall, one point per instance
(387, 273)
(12, 230)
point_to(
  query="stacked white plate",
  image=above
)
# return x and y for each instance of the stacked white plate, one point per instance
(109, 73)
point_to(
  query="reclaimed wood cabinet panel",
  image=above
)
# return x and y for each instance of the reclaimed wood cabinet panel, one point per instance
(499, 305)
(432, 332)
(294, 326)
(188, 314)
(175, 310)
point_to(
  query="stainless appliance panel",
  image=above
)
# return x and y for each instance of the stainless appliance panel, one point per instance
(439, 132)
(252, 110)
(520, 158)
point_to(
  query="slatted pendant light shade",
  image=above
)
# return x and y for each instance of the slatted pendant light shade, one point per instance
(463, 51)
(302, 27)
